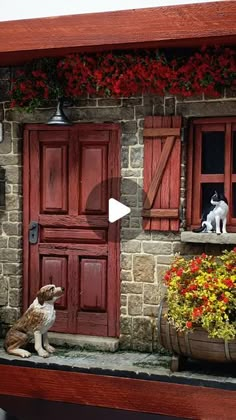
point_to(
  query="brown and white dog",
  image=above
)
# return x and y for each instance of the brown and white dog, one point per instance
(36, 321)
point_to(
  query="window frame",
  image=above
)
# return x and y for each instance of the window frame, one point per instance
(194, 176)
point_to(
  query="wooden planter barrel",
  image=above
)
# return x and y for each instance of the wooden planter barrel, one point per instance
(194, 344)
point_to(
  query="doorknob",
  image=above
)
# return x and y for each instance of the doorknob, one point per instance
(33, 232)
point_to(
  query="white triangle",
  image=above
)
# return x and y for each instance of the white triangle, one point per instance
(117, 210)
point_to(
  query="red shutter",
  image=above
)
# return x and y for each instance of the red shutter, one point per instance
(162, 160)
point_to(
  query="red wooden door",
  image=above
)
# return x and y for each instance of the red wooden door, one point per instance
(77, 247)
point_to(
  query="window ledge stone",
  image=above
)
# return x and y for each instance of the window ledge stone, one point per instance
(208, 238)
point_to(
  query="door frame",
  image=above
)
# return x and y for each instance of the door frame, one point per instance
(114, 230)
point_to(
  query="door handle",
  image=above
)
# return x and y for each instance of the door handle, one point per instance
(33, 232)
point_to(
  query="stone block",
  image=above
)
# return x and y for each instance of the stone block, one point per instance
(15, 242)
(170, 106)
(165, 236)
(126, 325)
(135, 305)
(12, 229)
(6, 145)
(14, 174)
(132, 101)
(125, 222)
(129, 200)
(131, 287)
(157, 248)
(123, 300)
(150, 310)
(3, 242)
(13, 202)
(129, 139)
(126, 275)
(129, 127)
(136, 157)
(125, 342)
(131, 246)
(10, 315)
(17, 146)
(109, 102)
(3, 291)
(140, 136)
(125, 157)
(187, 248)
(17, 189)
(129, 187)
(123, 310)
(151, 294)
(102, 114)
(38, 115)
(10, 159)
(142, 331)
(131, 173)
(126, 261)
(143, 268)
(15, 282)
(207, 108)
(135, 222)
(17, 131)
(15, 297)
(10, 255)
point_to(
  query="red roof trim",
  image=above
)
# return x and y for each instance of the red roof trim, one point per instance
(185, 25)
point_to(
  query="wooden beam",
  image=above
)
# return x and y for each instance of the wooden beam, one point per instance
(161, 132)
(184, 25)
(150, 396)
(161, 213)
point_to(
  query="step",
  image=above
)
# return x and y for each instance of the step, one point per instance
(86, 342)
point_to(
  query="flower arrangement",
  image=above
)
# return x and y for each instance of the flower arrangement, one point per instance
(126, 74)
(201, 291)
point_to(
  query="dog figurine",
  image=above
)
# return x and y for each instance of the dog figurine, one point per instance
(36, 321)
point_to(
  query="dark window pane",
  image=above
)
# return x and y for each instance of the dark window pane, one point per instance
(207, 192)
(213, 152)
(234, 152)
(234, 200)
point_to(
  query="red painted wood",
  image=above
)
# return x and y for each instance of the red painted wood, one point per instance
(54, 183)
(175, 173)
(196, 179)
(182, 25)
(26, 217)
(73, 235)
(162, 159)
(72, 251)
(147, 171)
(93, 284)
(166, 181)
(171, 399)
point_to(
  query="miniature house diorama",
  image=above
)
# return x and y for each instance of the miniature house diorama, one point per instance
(154, 129)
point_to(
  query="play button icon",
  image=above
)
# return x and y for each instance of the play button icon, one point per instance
(116, 210)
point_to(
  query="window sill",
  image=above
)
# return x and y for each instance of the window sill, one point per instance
(208, 238)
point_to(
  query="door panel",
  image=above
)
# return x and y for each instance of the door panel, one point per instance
(54, 184)
(93, 284)
(77, 247)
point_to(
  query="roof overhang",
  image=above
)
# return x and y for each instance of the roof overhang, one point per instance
(173, 26)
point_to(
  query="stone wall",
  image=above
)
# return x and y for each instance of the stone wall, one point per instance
(144, 255)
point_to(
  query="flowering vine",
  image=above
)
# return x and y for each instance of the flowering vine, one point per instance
(201, 291)
(125, 74)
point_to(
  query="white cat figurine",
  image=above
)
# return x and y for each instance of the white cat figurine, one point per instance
(214, 215)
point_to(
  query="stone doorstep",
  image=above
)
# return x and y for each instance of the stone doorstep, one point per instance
(208, 238)
(86, 342)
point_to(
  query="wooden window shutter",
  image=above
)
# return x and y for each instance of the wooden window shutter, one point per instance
(162, 163)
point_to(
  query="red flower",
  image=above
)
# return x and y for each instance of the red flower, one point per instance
(189, 324)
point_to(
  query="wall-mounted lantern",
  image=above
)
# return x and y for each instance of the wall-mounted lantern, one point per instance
(2, 187)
